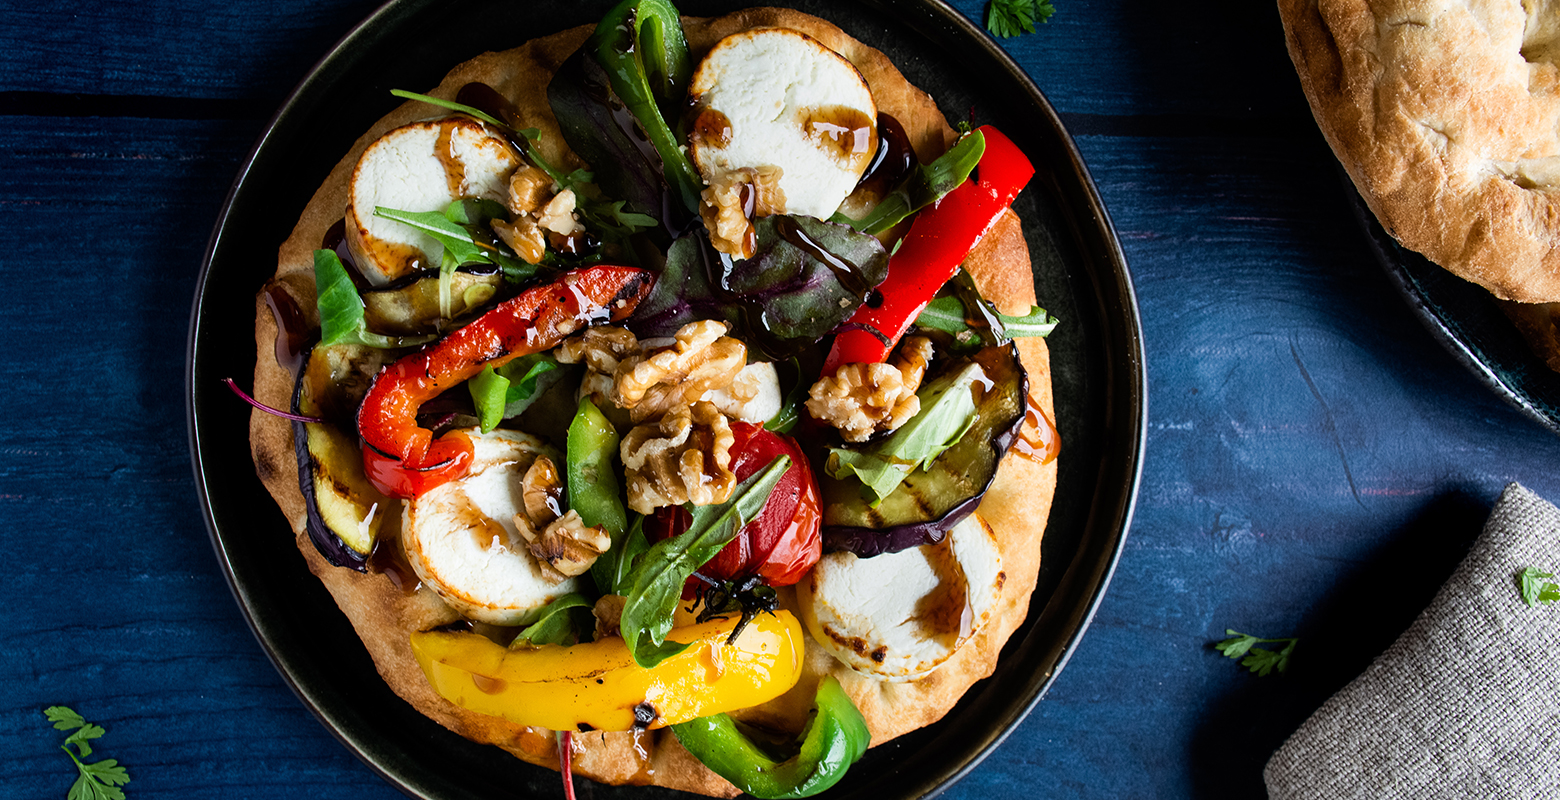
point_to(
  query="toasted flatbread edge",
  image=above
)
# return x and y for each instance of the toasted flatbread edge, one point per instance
(1016, 507)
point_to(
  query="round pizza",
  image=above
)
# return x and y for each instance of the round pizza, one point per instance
(666, 402)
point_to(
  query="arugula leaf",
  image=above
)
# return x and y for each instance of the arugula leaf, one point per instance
(456, 240)
(947, 411)
(1536, 589)
(1257, 659)
(1009, 18)
(925, 185)
(341, 308)
(947, 314)
(656, 581)
(451, 105)
(505, 392)
(606, 218)
(97, 780)
(556, 624)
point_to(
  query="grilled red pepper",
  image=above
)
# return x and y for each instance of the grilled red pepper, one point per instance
(939, 239)
(404, 460)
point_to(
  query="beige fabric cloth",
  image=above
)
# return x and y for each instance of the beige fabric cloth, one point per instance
(1466, 703)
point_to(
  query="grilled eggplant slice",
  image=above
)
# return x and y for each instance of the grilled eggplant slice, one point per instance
(345, 512)
(930, 502)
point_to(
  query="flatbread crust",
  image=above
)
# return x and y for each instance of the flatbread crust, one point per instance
(384, 615)
(1447, 117)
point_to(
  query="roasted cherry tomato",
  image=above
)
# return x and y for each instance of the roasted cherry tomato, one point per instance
(784, 541)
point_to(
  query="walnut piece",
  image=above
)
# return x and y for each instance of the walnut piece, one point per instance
(733, 200)
(529, 189)
(567, 547)
(609, 615)
(600, 349)
(523, 237)
(541, 490)
(683, 458)
(558, 215)
(701, 358)
(863, 399)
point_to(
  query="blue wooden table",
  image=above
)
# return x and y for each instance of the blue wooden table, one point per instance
(1316, 463)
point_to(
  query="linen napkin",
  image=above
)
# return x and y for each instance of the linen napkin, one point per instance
(1464, 704)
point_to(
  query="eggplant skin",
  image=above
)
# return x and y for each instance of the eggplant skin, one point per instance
(931, 502)
(336, 493)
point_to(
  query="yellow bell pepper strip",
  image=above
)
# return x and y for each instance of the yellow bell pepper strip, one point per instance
(834, 738)
(939, 239)
(597, 686)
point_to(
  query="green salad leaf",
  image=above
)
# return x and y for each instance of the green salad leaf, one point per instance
(947, 411)
(341, 308)
(655, 582)
(504, 392)
(560, 622)
(925, 185)
(947, 314)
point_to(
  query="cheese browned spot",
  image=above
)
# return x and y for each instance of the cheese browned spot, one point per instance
(420, 167)
(778, 98)
(461, 538)
(898, 616)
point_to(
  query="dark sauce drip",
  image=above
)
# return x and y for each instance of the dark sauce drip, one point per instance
(710, 128)
(848, 274)
(893, 160)
(292, 328)
(444, 150)
(336, 239)
(844, 132)
(1038, 440)
(577, 244)
(390, 561)
(425, 274)
(486, 99)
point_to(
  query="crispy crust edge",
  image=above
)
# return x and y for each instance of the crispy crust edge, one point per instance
(1017, 505)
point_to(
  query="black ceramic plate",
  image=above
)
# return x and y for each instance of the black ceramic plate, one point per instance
(1080, 274)
(1465, 318)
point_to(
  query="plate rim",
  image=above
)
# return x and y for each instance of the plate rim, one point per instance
(1115, 517)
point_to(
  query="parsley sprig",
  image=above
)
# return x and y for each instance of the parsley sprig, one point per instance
(1009, 18)
(98, 780)
(1536, 588)
(1257, 659)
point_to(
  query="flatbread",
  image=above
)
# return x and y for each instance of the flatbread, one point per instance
(384, 615)
(1447, 117)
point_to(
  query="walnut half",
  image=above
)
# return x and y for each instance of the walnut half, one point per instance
(702, 358)
(683, 458)
(863, 399)
(564, 546)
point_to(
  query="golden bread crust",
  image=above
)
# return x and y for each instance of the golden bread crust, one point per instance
(1447, 118)
(384, 615)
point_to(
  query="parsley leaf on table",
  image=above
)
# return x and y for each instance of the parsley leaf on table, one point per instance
(97, 780)
(1536, 589)
(1257, 659)
(1009, 18)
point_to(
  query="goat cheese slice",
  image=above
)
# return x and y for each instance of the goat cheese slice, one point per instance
(423, 166)
(774, 97)
(898, 616)
(461, 540)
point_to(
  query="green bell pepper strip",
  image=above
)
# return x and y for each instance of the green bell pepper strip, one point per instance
(925, 185)
(592, 479)
(641, 46)
(835, 737)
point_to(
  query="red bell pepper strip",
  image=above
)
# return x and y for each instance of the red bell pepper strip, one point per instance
(939, 239)
(402, 459)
